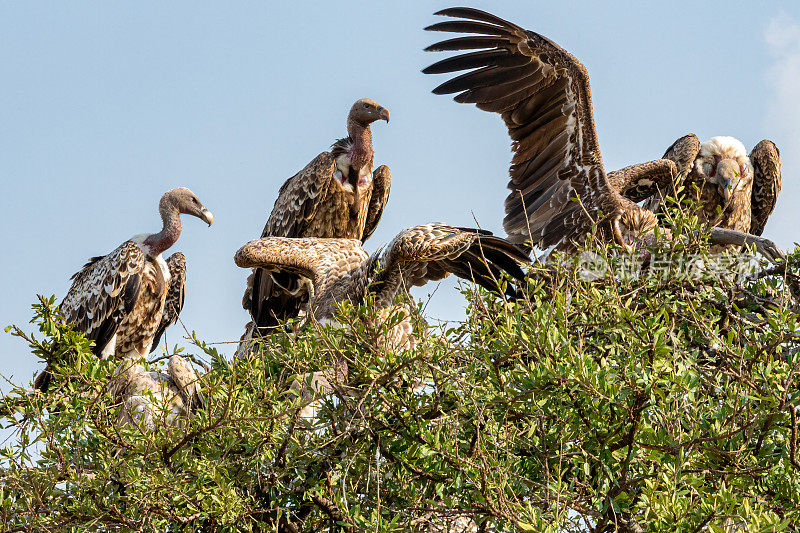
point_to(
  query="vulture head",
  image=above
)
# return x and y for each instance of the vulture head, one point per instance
(185, 202)
(634, 228)
(366, 111)
(723, 162)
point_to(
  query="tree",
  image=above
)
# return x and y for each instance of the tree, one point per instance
(660, 398)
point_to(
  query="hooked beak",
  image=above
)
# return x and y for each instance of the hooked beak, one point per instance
(727, 178)
(206, 216)
(726, 187)
(618, 236)
(383, 113)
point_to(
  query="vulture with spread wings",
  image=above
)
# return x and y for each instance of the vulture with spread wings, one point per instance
(337, 195)
(559, 188)
(340, 269)
(735, 190)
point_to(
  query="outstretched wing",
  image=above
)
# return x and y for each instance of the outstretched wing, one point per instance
(766, 159)
(104, 292)
(543, 95)
(432, 251)
(683, 152)
(269, 298)
(175, 296)
(319, 260)
(643, 180)
(381, 183)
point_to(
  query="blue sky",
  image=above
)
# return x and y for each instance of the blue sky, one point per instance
(104, 106)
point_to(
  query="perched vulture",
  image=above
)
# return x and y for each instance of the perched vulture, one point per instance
(173, 304)
(559, 188)
(337, 195)
(340, 270)
(151, 397)
(117, 300)
(736, 191)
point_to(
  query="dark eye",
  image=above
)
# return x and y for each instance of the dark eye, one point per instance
(366, 106)
(196, 201)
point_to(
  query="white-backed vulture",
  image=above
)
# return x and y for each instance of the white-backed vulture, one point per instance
(117, 300)
(559, 187)
(736, 191)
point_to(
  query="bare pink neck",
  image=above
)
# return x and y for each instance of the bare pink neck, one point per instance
(170, 231)
(361, 152)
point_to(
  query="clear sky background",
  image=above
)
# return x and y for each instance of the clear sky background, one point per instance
(106, 105)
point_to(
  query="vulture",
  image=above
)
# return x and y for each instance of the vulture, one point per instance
(173, 304)
(340, 270)
(117, 300)
(151, 397)
(337, 195)
(736, 191)
(559, 188)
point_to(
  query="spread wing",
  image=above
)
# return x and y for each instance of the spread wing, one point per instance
(381, 183)
(104, 292)
(766, 159)
(643, 180)
(683, 152)
(271, 298)
(543, 95)
(320, 260)
(175, 296)
(432, 251)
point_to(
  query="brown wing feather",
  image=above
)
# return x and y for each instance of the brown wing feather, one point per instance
(432, 251)
(766, 159)
(543, 95)
(643, 180)
(103, 292)
(271, 299)
(381, 184)
(682, 152)
(316, 259)
(173, 305)
(300, 197)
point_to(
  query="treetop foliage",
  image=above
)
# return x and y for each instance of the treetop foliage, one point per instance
(655, 402)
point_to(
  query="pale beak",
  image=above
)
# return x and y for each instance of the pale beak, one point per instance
(383, 113)
(727, 178)
(618, 236)
(727, 190)
(206, 216)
